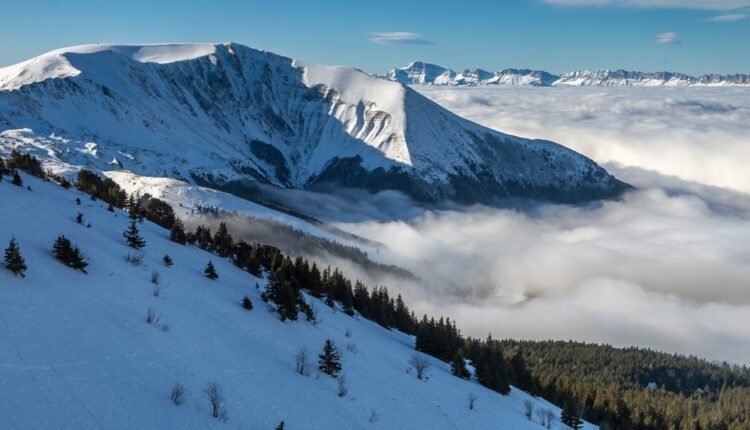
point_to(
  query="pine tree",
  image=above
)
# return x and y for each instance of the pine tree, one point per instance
(69, 254)
(330, 360)
(458, 366)
(281, 426)
(78, 201)
(133, 237)
(13, 259)
(210, 271)
(247, 303)
(177, 234)
(223, 242)
(17, 179)
(79, 218)
(167, 261)
(570, 418)
(2, 168)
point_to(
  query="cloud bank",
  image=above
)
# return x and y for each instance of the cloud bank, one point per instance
(696, 134)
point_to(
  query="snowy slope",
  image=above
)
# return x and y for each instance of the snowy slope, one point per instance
(224, 114)
(419, 73)
(76, 351)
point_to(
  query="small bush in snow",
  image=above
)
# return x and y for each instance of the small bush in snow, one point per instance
(210, 271)
(301, 360)
(215, 396)
(281, 426)
(343, 386)
(352, 347)
(247, 304)
(167, 260)
(155, 277)
(134, 258)
(152, 317)
(178, 394)
(528, 408)
(348, 332)
(472, 400)
(374, 417)
(420, 365)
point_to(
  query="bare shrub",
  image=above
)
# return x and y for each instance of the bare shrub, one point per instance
(374, 417)
(178, 394)
(215, 395)
(301, 360)
(348, 332)
(157, 290)
(542, 417)
(420, 364)
(134, 258)
(343, 386)
(472, 400)
(528, 408)
(351, 347)
(155, 277)
(152, 317)
(550, 417)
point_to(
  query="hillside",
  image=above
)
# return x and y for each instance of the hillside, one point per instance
(77, 352)
(227, 115)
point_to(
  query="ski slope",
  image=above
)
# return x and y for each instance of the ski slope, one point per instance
(76, 352)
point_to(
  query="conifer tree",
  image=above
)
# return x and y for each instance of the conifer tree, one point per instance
(79, 218)
(17, 179)
(69, 254)
(223, 242)
(167, 260)
(247, 303)
(177, 234)
(281, 426)
(330, 360)
(78, 201)
(133, 237)
(210, 271)
(569, 417)
(13, 259)
(458, 366)
(2, 168)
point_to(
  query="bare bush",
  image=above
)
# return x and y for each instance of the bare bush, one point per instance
(155, 277)
(134, 258)
(351, 347)
(472, 400)
(215, 395)
(528, 408)
(550, 417)
(301, 360)
(157, 290)
(420, 364)
(348, 332)
(542, 417)
(343, 386)
(374, 417)
(178, 394)
(152, 317)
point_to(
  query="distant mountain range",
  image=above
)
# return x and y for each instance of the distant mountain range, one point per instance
(419, 73)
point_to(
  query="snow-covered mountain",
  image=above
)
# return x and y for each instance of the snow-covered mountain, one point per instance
(419, 73)
(224, 114)
(77, 352)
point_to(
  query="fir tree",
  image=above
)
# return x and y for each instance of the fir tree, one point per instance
(177, 234)
(13, 259)
(133, 237)
(330, 360)
(69, 254)
(79, 218)
(210, 271)
(223, 242)
(458, 366)
(569, 417)
(2, 168)
(247, 303)
(78, 201)
(167, 260)
(17, 179)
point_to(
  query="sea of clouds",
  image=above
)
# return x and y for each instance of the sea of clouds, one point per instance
(666, 267)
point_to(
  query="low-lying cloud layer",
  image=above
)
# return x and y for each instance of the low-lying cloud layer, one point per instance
(697, 134)
(665, 267)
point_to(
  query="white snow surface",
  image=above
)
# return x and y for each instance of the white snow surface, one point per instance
(76, 351)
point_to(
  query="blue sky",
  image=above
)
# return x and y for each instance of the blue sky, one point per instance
(692, 36)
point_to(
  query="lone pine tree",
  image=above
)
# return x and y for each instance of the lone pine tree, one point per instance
(133, 237)
(210, 271)
(13, 259)
(330, 360)
(177, 234)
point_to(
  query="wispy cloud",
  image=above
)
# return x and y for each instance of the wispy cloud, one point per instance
(667, 38)
(399, 38)
(729, 17)
(658, 4)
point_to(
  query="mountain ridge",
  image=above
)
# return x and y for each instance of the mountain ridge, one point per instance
(420, 73)
(224, 114)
